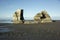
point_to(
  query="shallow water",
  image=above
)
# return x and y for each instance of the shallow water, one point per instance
(2, 30)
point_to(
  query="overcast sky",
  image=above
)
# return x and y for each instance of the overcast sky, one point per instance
(31, 8)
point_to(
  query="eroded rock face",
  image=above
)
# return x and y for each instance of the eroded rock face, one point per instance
(18, 16)
(42, 17)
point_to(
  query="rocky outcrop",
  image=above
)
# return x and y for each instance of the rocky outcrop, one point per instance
(18, 16)
(42, 17)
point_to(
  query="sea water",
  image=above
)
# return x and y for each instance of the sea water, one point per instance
(6, 21)
(2, 29)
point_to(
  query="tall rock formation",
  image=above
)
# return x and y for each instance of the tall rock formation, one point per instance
(18, 16)
(42, 17)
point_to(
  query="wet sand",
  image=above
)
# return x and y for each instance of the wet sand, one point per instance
(45, 31)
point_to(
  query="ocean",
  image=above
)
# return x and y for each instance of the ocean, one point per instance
(6, 21)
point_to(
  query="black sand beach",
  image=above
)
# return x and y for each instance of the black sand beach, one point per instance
(45, 31)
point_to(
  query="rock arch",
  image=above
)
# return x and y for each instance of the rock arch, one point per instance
(42, 17)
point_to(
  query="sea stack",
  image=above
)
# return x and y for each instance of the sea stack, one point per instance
(42, 17)
(18, 16)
